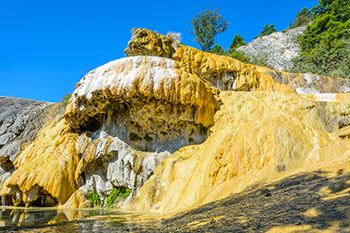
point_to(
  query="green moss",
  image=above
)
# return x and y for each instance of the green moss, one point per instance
(147, 138)
(117, 194)
(134, 137)
(94, 198)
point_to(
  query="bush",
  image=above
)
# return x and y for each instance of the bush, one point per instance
(325, 45)
(134, 137)
(217, 49)
(65, 100)
(117, 193)
(267, 30)
(302, 18)
(239, 56)
(94, 198)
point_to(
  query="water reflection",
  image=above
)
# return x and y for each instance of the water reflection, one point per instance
(21, 217)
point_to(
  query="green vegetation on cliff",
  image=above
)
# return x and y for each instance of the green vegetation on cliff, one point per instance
(267, 30)
(302, 18)
(325, 45)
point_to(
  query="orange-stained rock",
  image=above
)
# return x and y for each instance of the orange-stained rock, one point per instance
(136, 79)
(46, 167)
(257, 136)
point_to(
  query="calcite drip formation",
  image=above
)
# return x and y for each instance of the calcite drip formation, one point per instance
(180, 127)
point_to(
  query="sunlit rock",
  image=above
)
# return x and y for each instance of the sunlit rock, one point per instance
(151, 103)
(20, 121)
(256, 137)
(178, 127)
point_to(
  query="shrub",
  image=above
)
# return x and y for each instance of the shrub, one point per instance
(117, 194)
(302, 18)
(239, 56)
(325, 45)
(267, 30)
(134, 137)
(217, 49)
(94, 198)
(147, 138)
(65, 100)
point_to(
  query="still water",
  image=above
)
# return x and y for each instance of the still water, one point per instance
(65, 220)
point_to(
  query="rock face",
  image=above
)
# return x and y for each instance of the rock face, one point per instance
(256, 137)
(148, 102)
(179, 127)
(20, 121)
(277, 49)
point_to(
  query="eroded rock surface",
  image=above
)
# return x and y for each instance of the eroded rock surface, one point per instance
(20, 121)
(166, 123)
(256, 137)
(277, 49)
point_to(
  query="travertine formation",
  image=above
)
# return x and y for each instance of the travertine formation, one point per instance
(180, 127)
(256, 137)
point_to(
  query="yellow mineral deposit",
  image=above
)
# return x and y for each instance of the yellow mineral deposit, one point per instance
(257, 134)
(256, 137)
(49, 163)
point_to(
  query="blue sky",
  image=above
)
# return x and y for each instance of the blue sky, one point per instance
(46, 47)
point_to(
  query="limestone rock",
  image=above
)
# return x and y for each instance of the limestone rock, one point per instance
(45, 168)
(109, 162)
(146, 42)
(20, 121)
(149, 102)
(125, 118)
(256, 137)
(278, 49)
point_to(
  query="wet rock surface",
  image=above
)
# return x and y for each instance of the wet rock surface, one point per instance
(306, 202)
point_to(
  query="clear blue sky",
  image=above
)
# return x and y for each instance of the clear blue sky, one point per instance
(47, 46)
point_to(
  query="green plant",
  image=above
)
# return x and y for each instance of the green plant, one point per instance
(190, 140)
(260, 61)
(202, 129)
(65, 100)
(239, 56)
(267, 30)
(217, 49)
(94, 198)
(117, 193)
(236, 42)
(325, 45)
(147, 138)
(302, 18)
(206, 25)
(134, 137)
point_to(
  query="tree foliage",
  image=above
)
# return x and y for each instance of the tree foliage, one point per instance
(302, 18)
(236, 42)
(267, 30)
(206, 25)
(217, 49)
(325, 45)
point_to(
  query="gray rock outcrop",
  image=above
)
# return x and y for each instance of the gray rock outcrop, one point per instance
(277, 49)
(20, 120)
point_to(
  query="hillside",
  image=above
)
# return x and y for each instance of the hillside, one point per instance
(276, 50)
